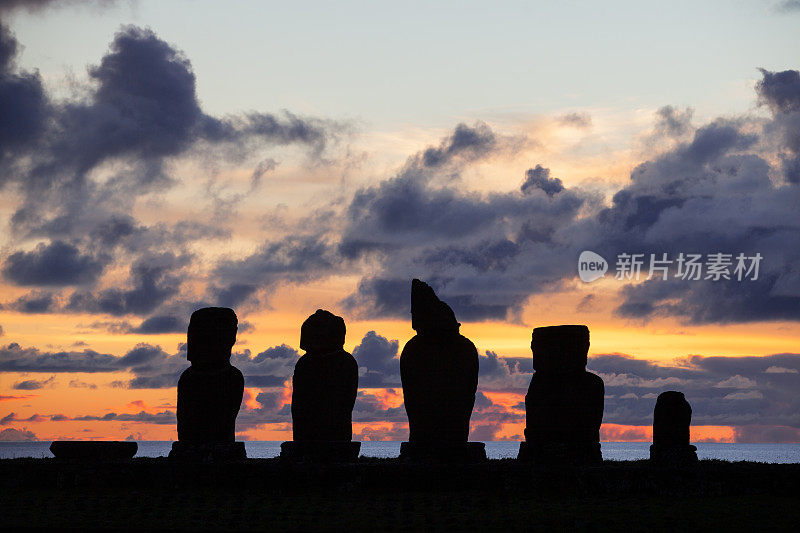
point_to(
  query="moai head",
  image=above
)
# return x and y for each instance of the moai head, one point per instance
(428, 313)
(671, 419)
(560, 349)
(210, 337)
(322, 332)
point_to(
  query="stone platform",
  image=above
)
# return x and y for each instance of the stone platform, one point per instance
(93, 450)
(322, 451)
(673, 456)
(560, 453)
(443, 452)
(208, 451)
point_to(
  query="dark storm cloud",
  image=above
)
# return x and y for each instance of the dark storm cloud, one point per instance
(293, 259)
(378, 361)
(270, 368)
(539, 178)
(272, 409)
(151, 366)
(33, 384)
(164, 417)
(23, 102)
(10, 418)
(466, 142)
(781, 92)
(161, 324)
(504, 374)
(139, 113)
(710, 194)
(54, 264)
(673, 122)
(488, 253)
(234, 294)
(485, 253)
(370, 408)
(34, 302)
(14, 358)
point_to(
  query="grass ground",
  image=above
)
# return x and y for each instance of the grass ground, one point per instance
(264, 495)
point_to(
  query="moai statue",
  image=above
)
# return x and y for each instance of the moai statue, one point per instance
(210, 391)
(439, 372)
(324, 388)
(564, 404)
(671, 420)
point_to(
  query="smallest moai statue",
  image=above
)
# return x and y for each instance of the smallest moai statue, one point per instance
(671, 420)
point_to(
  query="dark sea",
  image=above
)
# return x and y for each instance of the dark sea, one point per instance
(615, 451)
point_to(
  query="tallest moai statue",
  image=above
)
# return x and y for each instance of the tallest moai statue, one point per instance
(439, 371)
(564, 404)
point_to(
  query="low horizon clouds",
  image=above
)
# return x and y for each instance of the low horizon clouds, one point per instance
(757, 395)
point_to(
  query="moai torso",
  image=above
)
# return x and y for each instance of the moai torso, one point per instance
(439, 373)
(671, 419)
(208, 403)
(323, 395)
(325, 382)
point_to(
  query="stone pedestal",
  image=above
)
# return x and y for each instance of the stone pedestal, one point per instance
(322, 451)
(673, 456)
(93, 450)
(208, 451)
(560, 453)
(443, 452)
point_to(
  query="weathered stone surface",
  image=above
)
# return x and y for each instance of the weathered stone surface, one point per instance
(325, 382)
(564, 404)
(439, 372)
(671, 420)
(93, 450)
(210, 391)
(321, 451)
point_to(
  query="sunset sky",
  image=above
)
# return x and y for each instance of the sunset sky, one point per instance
(276, 158)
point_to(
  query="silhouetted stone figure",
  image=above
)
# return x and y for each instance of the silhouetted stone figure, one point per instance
(324, 388)
(210, 391)
(564, 404)
(671, 420)
(439, 372)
